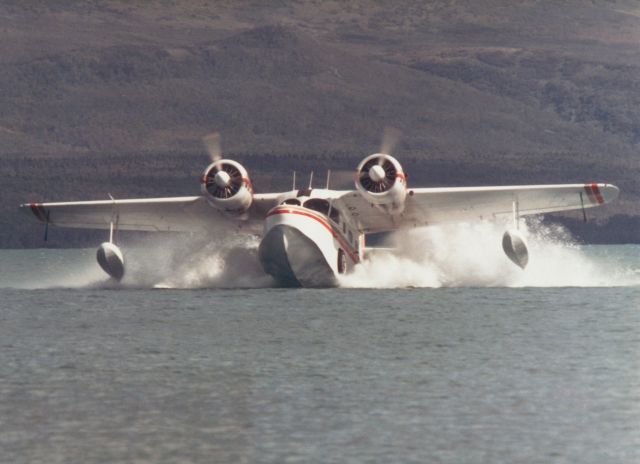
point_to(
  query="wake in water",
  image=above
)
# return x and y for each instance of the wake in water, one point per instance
(196, 263)
(470, 255)
(457, 255)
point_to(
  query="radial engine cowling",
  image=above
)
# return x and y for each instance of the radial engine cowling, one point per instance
(381, 181)
(227, 187)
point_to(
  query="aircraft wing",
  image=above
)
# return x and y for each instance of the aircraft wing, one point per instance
(173, 214)
(429, 206)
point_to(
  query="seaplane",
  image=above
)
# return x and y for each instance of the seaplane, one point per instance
(311, 236)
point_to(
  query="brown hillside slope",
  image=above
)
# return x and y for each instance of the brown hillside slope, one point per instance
(546, 91)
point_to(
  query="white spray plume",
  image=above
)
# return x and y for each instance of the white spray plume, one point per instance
(470, 255)
(196, 263)
(456, 255)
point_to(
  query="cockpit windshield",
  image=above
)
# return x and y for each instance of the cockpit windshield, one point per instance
(322, 206)
(317, 204)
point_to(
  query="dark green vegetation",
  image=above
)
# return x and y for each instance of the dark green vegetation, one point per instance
(484, 92)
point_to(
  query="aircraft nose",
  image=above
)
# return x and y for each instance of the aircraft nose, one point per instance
(273, 254)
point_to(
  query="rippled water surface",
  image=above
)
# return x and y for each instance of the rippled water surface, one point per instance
(102, 373)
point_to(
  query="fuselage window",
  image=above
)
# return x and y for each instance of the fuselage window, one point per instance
(318, 204)
(334, 214)
(291, 201)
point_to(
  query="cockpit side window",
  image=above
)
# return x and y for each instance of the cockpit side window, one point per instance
(334, 214)
(291, 201)
(317, 204)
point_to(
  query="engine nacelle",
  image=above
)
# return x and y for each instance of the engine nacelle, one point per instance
(381, 180)
(227, 186)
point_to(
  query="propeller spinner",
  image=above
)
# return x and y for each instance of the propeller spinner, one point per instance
(378, 173)
(227, 186)
(381, 181)
(223, 179)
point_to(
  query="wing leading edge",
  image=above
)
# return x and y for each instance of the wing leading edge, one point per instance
(429, 206)
(423, 206)
(173, 214)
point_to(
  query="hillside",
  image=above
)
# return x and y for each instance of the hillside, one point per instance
(531, 92)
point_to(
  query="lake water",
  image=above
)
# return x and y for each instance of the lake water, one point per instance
(460, 359)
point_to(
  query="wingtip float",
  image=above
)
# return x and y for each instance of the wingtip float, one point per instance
(515, 247)
(111, 260)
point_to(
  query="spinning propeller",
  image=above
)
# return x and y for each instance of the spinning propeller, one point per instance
(379, 173)
(223, 180)
(212, 145)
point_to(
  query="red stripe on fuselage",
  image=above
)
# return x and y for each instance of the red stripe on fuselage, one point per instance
(326, 225)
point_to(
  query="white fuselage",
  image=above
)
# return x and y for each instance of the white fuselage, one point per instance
(307, 242)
